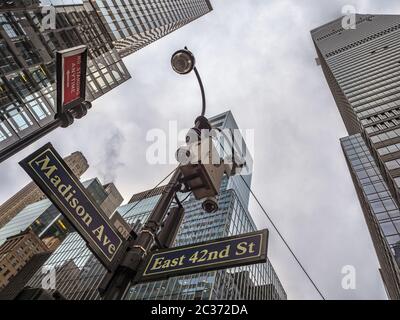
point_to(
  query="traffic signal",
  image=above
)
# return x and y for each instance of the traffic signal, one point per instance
(201, 165)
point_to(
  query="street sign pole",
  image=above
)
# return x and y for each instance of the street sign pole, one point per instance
(114, 286)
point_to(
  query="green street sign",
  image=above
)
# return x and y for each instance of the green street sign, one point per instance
(216, 254)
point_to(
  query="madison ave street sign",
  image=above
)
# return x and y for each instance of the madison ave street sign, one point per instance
(49, 171)
(71, 77)
(222, 253)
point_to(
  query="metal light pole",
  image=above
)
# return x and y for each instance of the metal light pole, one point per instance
(114, 286)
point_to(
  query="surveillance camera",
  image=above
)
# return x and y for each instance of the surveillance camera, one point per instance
(210, 204)
(193, 136)
(183, 155)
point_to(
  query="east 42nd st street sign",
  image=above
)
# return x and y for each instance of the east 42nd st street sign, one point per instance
(222, 253)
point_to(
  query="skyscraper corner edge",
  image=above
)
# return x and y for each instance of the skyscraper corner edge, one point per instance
(208, 2)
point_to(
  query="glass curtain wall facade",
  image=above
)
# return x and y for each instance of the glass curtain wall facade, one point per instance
(362, 69)
(230, 134)
(255, 282)
(250, 282)
(134, 24)
(111, 29)
(381, 212)
(44, 219)
(31, 192)
(27, 64)
(79, 273)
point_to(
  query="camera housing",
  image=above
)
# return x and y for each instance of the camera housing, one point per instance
(210, 204)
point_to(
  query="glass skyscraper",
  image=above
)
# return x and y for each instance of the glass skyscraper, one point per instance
(362, 68)
(44, 219)
(31, 192)
(255, 282)
(134, 24)
(50, 228)
(111, 29)
(249, 282)
(380, 210)
(27, 65)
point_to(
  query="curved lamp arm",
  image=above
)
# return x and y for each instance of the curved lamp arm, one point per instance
(203, 95)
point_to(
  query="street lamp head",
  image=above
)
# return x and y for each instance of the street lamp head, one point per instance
(183, 61)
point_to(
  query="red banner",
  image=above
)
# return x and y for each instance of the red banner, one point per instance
(72, 78)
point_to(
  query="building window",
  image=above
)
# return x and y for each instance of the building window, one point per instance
(393, 164)
(397, 181)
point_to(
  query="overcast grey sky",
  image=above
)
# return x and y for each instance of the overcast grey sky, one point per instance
(256, 58)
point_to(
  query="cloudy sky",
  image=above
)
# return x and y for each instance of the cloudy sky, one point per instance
(256, 58)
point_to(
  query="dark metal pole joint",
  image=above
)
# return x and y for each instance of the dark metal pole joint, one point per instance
(67, 118)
